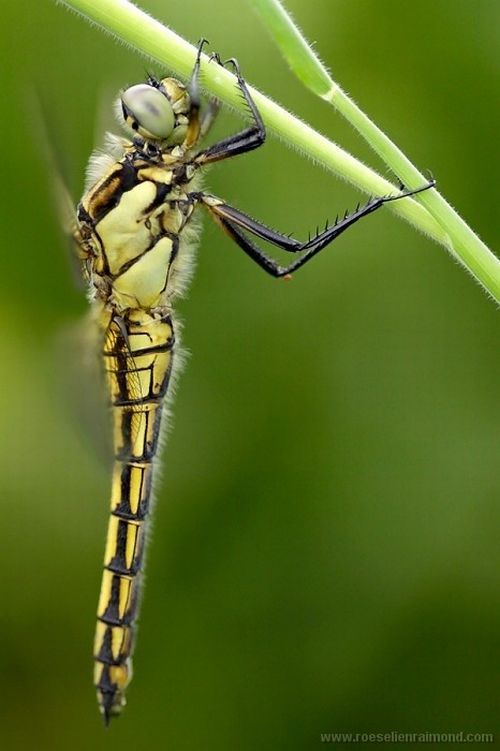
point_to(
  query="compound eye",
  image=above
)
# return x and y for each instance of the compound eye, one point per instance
(147, 111)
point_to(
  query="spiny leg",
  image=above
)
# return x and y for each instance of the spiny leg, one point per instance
(209, 116)
(194, 127)
(235, 223)
(239, 143)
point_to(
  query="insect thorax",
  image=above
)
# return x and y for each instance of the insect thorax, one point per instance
(133, 220)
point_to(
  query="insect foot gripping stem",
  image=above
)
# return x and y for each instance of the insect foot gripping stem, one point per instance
(138, 355)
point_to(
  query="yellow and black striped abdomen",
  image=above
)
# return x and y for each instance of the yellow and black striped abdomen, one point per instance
(138, 354)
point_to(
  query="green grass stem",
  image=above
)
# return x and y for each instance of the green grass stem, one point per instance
(461, 241)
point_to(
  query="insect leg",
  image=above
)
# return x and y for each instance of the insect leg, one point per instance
(209, 116)
(239, 143)
(235, 223)
(194, 127)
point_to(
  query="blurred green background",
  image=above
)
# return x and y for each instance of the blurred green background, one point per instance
(325, 555)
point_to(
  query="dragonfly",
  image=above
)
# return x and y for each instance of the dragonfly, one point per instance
(134, 232)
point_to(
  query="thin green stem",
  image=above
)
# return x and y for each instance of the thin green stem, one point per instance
(461, 241)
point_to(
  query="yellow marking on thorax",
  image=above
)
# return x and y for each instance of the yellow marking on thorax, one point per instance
(99, 195)
(123, 230)
(173, 220)
(142, 284)
(157, 173)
